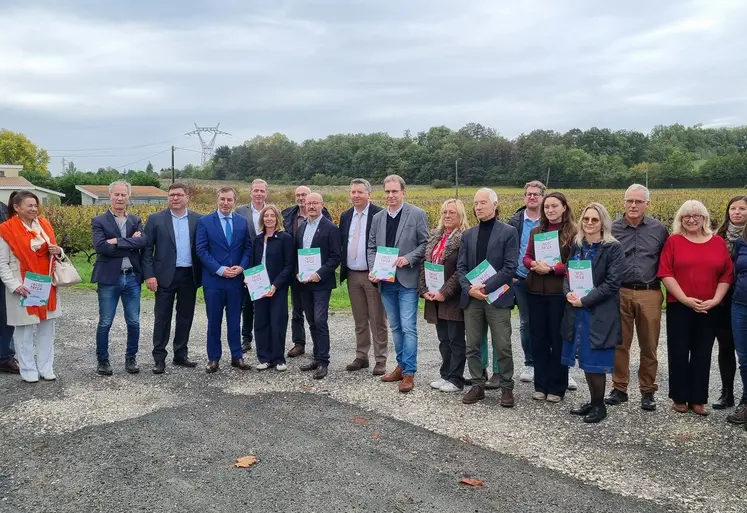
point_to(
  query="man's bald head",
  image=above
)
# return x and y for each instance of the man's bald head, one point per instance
(301, 192)
(314, 205)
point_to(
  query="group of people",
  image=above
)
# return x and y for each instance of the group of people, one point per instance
(582, 286)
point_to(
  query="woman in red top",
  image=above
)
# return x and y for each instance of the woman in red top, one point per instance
(544, 286)
(696, 268)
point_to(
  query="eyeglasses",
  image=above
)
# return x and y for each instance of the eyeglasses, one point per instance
(176, 195)
(590, 220)
(635, 202)
(532, 194)
(312, 203)
(692, 217)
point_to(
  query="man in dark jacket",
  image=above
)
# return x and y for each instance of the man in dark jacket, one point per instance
(8, 362)
(293, 218)
(118, 241)
(526, 218)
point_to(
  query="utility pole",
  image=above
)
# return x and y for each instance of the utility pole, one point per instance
(208, 146)
(646, 178)
(456, 177)
(172, 165)
(547, 180)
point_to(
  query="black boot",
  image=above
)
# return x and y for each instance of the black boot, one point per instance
(597, 414)
(725, 401)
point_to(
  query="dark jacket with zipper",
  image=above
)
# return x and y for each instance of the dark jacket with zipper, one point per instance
(447, 310)
(603, 302)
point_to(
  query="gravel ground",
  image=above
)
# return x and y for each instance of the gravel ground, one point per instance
(166, 443)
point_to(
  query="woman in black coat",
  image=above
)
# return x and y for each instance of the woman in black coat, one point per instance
(591, 326)
(274, 249)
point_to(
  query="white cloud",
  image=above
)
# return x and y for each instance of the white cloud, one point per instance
(338, 66)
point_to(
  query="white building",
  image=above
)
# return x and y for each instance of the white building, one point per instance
(10, 180)
(95, 194)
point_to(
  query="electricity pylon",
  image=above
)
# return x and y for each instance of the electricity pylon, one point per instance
(208, 147)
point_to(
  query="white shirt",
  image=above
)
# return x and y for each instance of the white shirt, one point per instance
(255, 216)
(361, 262)
(394, 214)
(308, 235)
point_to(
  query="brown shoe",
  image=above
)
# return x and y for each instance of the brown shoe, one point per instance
(379, 369)
(679, 407)
(10, 367)
(699, 409)
(507, 398)
(239, 363)
(211, 367)
(395, 375)
(476, 393)
(406, 384)
(357, 365)
(296, 350)
(739, 416)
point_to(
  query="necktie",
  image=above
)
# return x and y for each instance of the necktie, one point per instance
(229, 230)
(353, 246)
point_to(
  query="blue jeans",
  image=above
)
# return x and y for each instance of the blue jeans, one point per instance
(7, 351)
(739, 325)
(401, 305)
(520, 292)
(128, 289)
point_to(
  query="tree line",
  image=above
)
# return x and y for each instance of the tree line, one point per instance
(668, 156)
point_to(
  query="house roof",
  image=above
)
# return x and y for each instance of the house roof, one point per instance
(138, 191)
(19, 182)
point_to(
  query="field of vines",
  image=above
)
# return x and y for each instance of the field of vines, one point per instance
(73, 223)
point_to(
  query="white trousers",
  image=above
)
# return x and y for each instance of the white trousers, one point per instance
(24, 342)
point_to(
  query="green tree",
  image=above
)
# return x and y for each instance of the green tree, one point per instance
(17, 149)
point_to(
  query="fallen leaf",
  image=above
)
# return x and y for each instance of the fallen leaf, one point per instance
(307, 387)
(359, 420)
(467, 439)
(472, 482)
(376, 436)
(683, 438)
(245, 461)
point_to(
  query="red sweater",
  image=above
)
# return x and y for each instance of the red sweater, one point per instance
(697, 267)
(529, 255)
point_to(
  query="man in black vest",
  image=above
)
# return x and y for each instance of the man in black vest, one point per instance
(8, 362)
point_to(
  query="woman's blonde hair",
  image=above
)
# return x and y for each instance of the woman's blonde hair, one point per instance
(604, 217)
(279, 225)
(461, 211)
(692, 207)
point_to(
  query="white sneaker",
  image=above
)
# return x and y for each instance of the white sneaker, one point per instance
(263, 366)
(572, 385)
(450, 387)
(438, 384)
(527, 375)
(281, 367)
(539, 396)
(551, 398)
(48, 377)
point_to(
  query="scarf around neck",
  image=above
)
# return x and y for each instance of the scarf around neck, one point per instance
(733, 232)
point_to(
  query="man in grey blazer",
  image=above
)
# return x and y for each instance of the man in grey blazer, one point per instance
(405, 227)
(498, 243)
(251, 213)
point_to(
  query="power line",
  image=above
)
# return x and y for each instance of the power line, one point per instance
(142, 159)
(114, 148)
(208, 146)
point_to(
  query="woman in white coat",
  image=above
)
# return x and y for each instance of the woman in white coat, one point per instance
(27, 243)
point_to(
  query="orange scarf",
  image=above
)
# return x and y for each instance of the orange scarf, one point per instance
(19, 239)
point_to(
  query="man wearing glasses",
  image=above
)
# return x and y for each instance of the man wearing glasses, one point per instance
(524, 220)
(172, 270)
(642, 239)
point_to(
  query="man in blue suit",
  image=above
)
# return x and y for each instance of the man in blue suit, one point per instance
(225, 250)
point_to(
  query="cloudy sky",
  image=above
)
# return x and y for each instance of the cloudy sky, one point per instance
(109, 83)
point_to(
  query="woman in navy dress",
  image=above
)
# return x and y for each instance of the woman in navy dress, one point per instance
(591, 326)
(273, 248)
